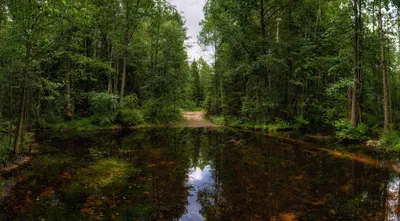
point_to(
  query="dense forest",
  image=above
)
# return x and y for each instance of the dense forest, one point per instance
(90, 62)
(320, 65)
(325, 66)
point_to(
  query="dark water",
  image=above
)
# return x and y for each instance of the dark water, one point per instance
(196, 174)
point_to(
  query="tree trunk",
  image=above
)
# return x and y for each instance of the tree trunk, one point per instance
(110, 56)
(356, 66)
(1, 103)
(68, 111)
(349, 103)
(386, 110)
(116, 74)
(262, 26)
(121, 97)
(22, 99)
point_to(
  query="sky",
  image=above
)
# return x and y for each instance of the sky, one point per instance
(192, 11)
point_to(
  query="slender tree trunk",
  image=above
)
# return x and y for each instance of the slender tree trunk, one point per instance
(1, 103)
(68, 111)
(110, 55)
(384, 73)
(278, 20)
(349, 103)
(11, 103)
(109, 86)
(22, 99)
(356, 66)
(121, 97)
(262, 26)
(216, 80)
(116, 74)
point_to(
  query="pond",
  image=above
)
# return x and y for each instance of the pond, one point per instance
(196, 174)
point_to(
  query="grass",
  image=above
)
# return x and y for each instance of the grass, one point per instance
(83, 124)
(86, 124)
(236, 122)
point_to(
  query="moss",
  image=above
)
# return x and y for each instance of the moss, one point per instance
(103, 173)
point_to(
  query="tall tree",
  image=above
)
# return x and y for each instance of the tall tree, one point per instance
(386, 98)
(356, 68)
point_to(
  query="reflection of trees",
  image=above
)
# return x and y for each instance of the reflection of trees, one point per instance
(253, 178)
(262, 179)
(165, 163)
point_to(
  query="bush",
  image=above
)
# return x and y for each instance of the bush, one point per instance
(156, 111)
(103, 106)
(300, 122)
(391, 140)
(218, 120)
(127, 117)
(346, 131)
(5, 148)
(131, 101)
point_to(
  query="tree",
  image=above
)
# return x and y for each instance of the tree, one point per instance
(386, 98)
(197, 90)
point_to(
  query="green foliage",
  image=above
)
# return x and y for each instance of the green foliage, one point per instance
(300, 122)
(131, 101)
(346, 131)
(5, 148)
(391, 141)
(160, 111)
(81, 124)
(278, 125)
(103, 106)
(129, 117)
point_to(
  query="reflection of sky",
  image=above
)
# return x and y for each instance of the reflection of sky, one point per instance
(393, 199)
(197, 178)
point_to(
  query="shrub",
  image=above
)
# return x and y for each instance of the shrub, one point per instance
(131, 101)
(391, 140)
(5, 148)
(156, 111)
(103, 106)
(218, 120)
(127, 117)
(346, 131)
(300, 122)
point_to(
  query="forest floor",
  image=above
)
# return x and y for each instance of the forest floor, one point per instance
(194, 120)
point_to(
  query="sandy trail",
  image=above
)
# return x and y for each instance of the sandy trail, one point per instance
(195, 119)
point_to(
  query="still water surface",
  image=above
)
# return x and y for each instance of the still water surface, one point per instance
(193, 174)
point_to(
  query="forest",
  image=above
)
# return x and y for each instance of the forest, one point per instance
(106, 115)
(326, 67)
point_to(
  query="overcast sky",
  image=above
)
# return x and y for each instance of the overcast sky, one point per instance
(193, 13)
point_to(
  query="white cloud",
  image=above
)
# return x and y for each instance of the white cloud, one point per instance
(193, 13)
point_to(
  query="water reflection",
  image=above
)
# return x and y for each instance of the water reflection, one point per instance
(393, 199)
(198, 178)
(196, 174)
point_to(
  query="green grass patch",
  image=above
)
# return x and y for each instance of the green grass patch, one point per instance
(82, 124)
(278, 125)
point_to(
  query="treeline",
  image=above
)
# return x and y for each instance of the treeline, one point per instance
(106, 61)
(325, 64)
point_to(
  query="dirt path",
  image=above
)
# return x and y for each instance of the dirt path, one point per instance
(195, 119)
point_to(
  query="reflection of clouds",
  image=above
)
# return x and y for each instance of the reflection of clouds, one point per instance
(393, 199)
(198, 179)
(197, 174)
